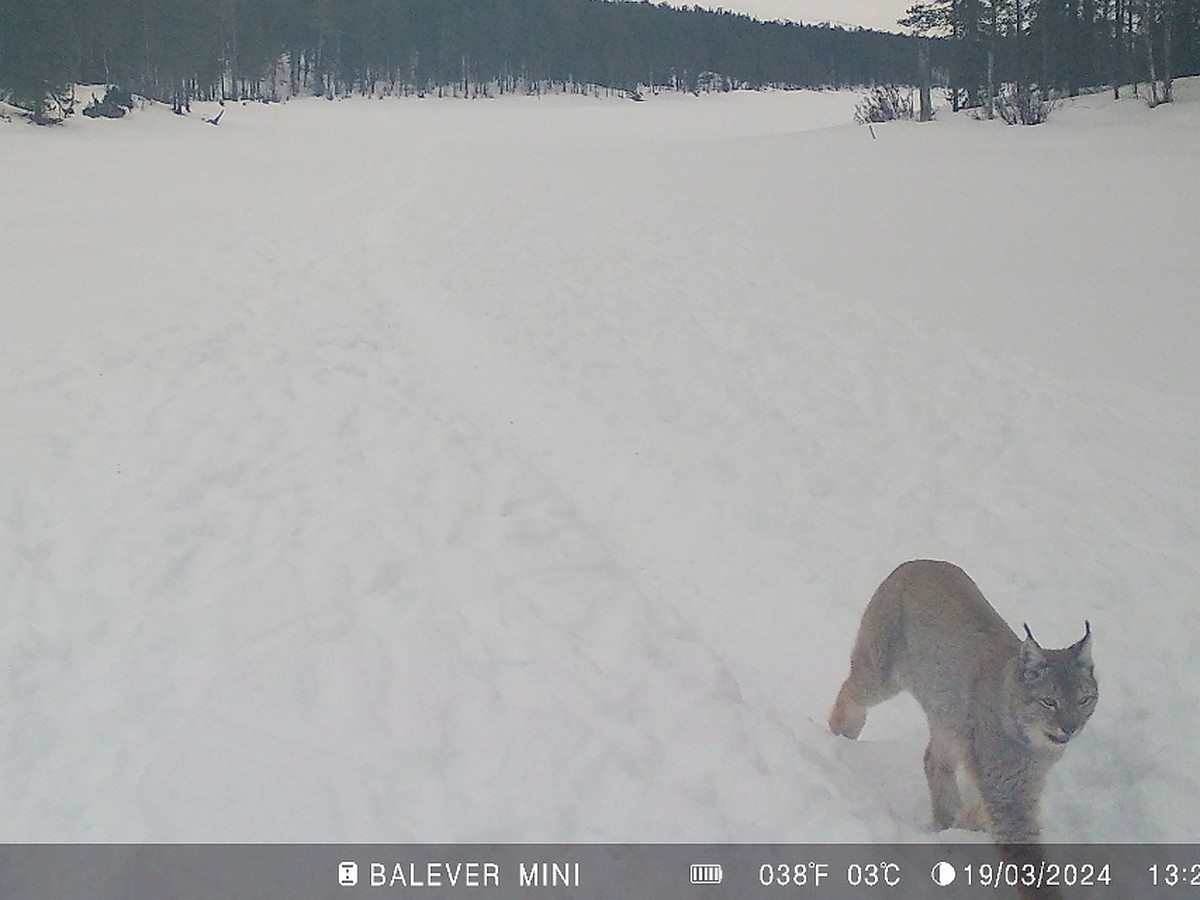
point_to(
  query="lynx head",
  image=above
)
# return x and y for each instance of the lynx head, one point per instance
(1057, 690)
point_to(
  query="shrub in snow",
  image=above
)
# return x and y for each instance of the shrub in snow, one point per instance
(884, 103)
(1023, 107)
(114, 105)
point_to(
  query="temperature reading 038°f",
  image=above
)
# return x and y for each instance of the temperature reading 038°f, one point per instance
(792, 874)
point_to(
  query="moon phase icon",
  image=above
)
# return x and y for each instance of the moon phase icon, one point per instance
(943, 874)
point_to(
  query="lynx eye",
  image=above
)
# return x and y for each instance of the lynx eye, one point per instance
(1048, 702)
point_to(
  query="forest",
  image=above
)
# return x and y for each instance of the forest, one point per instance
(179, 50)
(263, 49)
(1059, 47)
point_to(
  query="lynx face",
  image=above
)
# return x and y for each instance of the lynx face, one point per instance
(1059, 690)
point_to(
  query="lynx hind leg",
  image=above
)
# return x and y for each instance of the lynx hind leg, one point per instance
(941, 771)
(849, 713)
(872, 676)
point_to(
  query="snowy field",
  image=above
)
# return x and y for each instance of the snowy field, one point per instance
(518, 470)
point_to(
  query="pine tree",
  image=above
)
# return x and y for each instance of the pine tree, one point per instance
(926, 21)
(38, 53)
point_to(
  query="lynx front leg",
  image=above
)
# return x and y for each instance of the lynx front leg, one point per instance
(972, 818)
(1029, 857)
(1011, 795)
(1013, 812)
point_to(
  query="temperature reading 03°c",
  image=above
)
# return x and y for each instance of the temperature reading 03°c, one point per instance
(872, 874)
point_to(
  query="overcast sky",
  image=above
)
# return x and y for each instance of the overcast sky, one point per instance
(879, 14)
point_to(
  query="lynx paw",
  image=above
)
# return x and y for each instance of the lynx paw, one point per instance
(972, 818)
(847, 723)
(847, 717)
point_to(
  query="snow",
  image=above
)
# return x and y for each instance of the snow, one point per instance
(518, 470)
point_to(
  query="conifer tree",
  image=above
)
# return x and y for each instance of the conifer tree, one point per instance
(38, 53)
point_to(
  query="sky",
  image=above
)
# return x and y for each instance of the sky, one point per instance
(878, 14)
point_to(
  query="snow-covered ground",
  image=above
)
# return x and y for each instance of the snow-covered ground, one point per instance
(519, 469)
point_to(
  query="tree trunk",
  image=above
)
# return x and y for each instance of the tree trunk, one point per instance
(1148, 31)
(1044, 84)
(1118, 48)
(1131, 46)
(1018, 51)
(1168, 14)
(991, 83)
(926, 111)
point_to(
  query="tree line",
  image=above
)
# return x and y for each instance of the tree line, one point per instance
(177, 50)
(1017, 49)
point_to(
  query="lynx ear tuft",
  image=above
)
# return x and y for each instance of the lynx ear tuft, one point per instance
(1033, 660)
(1083, 647)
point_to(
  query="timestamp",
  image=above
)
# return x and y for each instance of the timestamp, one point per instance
(1175, 874)
(1042, 874)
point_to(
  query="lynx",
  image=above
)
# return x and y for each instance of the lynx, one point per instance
(1000, 709)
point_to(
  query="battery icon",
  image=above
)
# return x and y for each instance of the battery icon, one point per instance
(711, 874)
